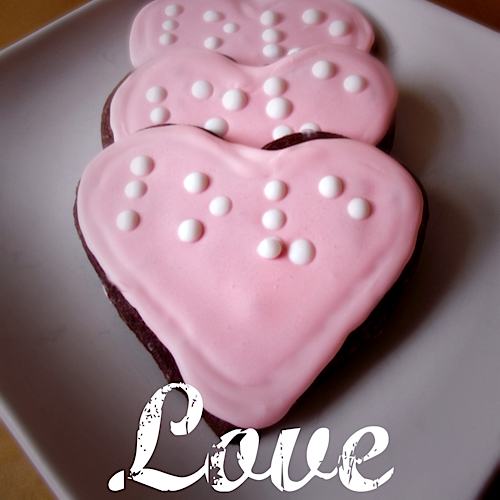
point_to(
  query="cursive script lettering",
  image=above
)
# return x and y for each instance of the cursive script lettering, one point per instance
(149, 431)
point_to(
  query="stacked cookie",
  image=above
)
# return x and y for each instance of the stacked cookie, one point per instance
(241, 217)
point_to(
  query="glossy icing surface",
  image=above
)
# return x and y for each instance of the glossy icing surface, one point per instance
(253, 32)
(331, 88)
(252, 311)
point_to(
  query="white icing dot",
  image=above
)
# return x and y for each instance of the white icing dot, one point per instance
(339, 28)
(231, 28)
(275, 190)
(274, 219)
(212, 42)
(272, 51)
(359, 208)
(310, 126)
(294, 51)
(173, 10)
(135, 189)
(270, 248)
(220, 206)
(269, 18)
(159, 115)
(127, 220)
(202, 89)
(301, 252)
(275, 86)
(272, 35)
(330, 186)
(354, 83)
(313, 16)
(217, 125)
(212, 16)
(167, 39)
(323, 69)
(190, 230)
(196, 182)
(278, 108)
(170, 24)
(156, 94)
(281, 130)
(234, 100)
(142, 165)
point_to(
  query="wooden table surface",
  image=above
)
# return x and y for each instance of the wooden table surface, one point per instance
(18, 479)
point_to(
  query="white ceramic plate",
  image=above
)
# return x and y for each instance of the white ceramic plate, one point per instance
(73, 379)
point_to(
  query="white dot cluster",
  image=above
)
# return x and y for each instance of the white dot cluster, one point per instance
(140, 166)
(300, 251)
(191, 230)
(211, 16)
(169, 25)
(270, 20)
(159, 114)
(353, 84)
(311, 17)
(278, 107)
(331, 187)
(271, 36)
(232, 100)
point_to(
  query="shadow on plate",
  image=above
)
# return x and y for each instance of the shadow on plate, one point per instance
(491, 490)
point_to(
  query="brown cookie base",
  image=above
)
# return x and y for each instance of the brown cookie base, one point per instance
(371, 328)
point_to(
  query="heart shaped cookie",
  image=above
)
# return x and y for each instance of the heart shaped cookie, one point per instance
(251, 266)
(253, 32)
(330, 88)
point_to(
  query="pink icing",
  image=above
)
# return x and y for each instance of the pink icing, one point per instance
(236, 28)
(250, 333)
(313, 87)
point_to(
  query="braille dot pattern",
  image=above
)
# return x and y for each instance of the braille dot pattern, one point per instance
(197, 183)
(300, 251)
(274, 98)
(278, 26)
(140, 166)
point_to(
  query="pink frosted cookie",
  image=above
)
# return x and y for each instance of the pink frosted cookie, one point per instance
(253, 32)
(250, 266)
(331, 88)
